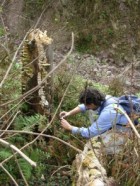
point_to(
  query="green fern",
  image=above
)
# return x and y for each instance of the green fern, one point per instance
(39, 155)
(27, 123)
(17, 139)
(26, 168)
(4, 153)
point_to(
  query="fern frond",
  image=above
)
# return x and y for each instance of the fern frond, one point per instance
(27, 123)
(5, 153)
(20, 139)
(26, 168)
(39, 155)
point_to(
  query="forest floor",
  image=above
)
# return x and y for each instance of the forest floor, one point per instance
(101, 67)
(104, 70)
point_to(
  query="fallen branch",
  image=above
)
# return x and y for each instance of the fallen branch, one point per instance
(130, 122)
(44, 135)
(18, 151)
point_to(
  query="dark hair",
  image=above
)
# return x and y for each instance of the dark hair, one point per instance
(91, 95)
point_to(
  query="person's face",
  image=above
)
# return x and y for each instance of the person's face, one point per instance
(91, 106)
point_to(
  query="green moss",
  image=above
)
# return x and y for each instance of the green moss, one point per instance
(2, 32)
(33, 8)
(101, 24)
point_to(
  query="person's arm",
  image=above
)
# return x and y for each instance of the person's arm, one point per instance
(66, 125)
(102, 124)
(76, 110)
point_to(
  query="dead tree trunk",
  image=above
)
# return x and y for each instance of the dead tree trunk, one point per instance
(36, 64)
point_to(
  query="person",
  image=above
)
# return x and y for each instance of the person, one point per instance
(108, 116)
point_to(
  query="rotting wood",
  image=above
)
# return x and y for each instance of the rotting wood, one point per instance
(36, 64)
(88, 169)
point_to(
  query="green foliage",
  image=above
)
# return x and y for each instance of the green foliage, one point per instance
(12, 84)
(26, 168)
(100, 24)
(110, 32)
(116, 87)
(5, 153)
(60, 180)
(17, 139)
(31, 5)
(2, 32)
(84, 42)
(28, 123)
(36, 154)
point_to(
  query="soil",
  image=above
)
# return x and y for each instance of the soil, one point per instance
(104, 70)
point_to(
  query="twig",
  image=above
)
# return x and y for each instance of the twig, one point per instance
(11, 109)
(59, 169)
(40, 17)
(6, 50)
(136, 180)
(6, 34)
(21, 172)
(44, 135)
(39, 134)
(18, 151)
(10, 122)
(130, 122)
(13, 60)
(136, 152)
(128, 68)
(34, 89)
(9, 175)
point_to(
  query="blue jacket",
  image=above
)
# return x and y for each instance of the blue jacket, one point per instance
(108, 117)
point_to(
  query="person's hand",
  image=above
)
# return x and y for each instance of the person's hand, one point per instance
(63, 114)
(66, 125)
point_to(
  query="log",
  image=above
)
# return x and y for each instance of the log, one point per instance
(87, 168)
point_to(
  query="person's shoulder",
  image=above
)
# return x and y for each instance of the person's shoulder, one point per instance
(109, 108)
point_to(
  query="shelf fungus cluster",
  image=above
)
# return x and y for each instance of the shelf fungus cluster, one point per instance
(36, 60)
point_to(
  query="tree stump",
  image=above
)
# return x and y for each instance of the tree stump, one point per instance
(36, 62)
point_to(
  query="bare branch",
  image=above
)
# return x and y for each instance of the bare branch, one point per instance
(59, 169)
(11, 109)
(21, 172)
(18, 151)
(35, 88)
(9, 175)
(130, 122)
(44, 135)
(12, 62)
(10, 122)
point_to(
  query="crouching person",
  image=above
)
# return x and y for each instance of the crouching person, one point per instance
(110, 125)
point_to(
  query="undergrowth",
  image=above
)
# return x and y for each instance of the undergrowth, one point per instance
(53, 158)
